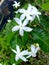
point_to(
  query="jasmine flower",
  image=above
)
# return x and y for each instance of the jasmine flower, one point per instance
(20, 55)
(34, 50)
(25, 13)
(21, 26)
(16, 4)
(35, 12)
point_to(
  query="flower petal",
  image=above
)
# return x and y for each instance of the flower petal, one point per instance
(18, 21)
(29, 17)
(22, 17)
(33, 54)
(14, 51)
(37, 49)
(25, 22)
(23, 58)
(21, 32)
(25, 52)
(29, 7)
(15, 28)
(28, 29)
(33, 48)
(29, 55)
(33, 17)
(16, 58)
(21, 10)
(18, 49)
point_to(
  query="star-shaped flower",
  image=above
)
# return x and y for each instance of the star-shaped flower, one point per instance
(21, 26)
(20, 55)
(25, 13)
(34, 51)
(35, 12)
(16, 4)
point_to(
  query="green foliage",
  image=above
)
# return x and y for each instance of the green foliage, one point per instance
(45, 6)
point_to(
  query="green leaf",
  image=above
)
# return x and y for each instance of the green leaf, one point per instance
(45, 6)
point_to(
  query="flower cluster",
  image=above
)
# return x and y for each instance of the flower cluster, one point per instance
(26, 54)
(27, 15)
(22, 22)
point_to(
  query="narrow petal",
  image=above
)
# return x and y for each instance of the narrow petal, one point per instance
(29, 7)
(33, 54)
(21, 32)
(28, 29)
(25, 22)
(17, 48)
(22, 17)
(37, 49)
(33, 48)
(18, 21)
(29, 17)
(29, 55)
(33, 17)
(16, 58)
(23, 58)
(15, 28)
(21, 10)
(14, 51)
(34, 8)
(25, 52)
(39, 13)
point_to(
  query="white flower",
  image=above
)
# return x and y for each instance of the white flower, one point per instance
(0, 64)
(25, 13)
(1, 2)
(21, 26)
(16, 4)
(35, 12)
(34, 51)
(9, 21)
(20, 55)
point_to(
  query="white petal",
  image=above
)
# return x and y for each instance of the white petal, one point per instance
(33, 54)
(28, 29)
(33, 48)
(18, 21)
(33, 17)
(21, 32)
(17, 48)
(25, 52)
(29, 17)
(22, 17)
(25, 22)
(21, 10)
(23, 58)
(15, 28)
(14, 51)
(16, 58)
(39, 13)
(37, 49)
(29, 55)
(29, 7)
(34, 8)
